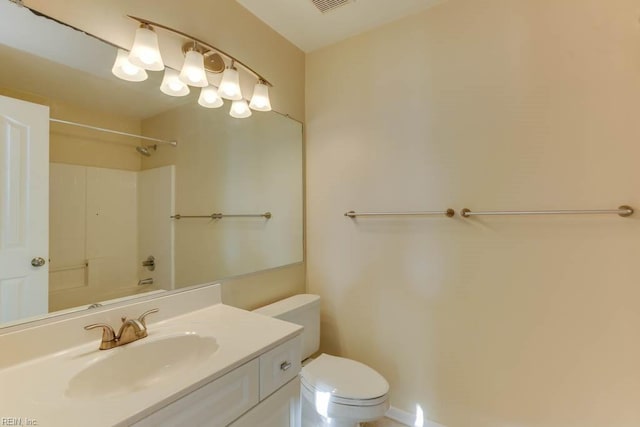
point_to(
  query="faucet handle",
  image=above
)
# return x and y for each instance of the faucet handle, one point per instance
(107, 331)
(145, 314)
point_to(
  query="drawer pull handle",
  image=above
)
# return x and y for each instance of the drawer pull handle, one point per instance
(285, 365)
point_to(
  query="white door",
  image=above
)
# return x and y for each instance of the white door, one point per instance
(24, 209)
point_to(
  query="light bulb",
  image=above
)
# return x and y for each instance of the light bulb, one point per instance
(193, 70)
(209, 97)
(131, 70)
(240, 109)
(145, 52)
(175, 85)
(125, 70)
(230, 85)
(260, 99)
(172, 85)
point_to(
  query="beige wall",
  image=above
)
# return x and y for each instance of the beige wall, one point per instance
(492, 104)
(232, 166)
(78, 146)
(229, 26)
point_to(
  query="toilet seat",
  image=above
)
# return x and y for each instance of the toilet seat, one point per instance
(310, 391)
(349, 382)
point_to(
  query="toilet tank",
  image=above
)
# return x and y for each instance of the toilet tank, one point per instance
(304, 310)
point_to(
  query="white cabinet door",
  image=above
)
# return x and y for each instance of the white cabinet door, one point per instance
(281, 409)
(213, 405)
(24, 209)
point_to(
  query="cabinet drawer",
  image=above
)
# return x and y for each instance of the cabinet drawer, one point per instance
(215, 404)
(279, 366)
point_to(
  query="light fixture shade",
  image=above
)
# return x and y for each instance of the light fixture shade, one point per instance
(193, 72)
(230, 85)
(125, 70)
(145, 52)
(172, 85)
(260, 99)
(209, 97)
(240, 109)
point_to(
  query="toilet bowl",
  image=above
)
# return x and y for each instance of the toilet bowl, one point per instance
(335, 391)
(343, 390)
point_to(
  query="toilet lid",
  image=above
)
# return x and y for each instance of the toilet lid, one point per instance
(344, 378)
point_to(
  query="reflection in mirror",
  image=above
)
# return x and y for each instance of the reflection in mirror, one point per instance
(111, 197)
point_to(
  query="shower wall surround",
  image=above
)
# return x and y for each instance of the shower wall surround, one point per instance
(97, 238)
(93, 221)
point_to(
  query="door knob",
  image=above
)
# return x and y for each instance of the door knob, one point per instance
(38, 262)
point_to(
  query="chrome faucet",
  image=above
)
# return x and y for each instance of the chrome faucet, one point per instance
(130, 330)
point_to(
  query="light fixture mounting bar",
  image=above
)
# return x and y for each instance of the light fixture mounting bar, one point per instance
(213, 62)
(202, 43)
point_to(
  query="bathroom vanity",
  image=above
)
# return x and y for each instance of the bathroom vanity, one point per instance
(264, 391)
(203, 363)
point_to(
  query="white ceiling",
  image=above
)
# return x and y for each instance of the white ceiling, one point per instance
(300, 22)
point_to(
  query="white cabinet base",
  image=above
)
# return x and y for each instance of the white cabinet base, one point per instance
(213, 405)
(281, 409)
(264, 392)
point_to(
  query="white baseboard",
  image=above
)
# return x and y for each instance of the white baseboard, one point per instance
(407, 418)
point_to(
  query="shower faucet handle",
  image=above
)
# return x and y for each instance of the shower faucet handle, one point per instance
(144, 282)
(150, 263)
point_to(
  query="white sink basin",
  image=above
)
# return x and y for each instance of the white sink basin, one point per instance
(140, 365)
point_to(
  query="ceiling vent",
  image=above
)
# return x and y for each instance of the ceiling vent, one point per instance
(327, 5)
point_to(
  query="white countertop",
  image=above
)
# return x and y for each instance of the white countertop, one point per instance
(36, 389)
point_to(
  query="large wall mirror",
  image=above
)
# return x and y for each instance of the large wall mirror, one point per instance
(113, 198)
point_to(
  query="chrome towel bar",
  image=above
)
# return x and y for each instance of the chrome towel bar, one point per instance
(266, 215)
(449, 213)
(623, 211)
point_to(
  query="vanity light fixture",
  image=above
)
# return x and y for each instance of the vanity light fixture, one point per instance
(260, 99)
(209, 97)
(193, 72)
(230, 84)
(145, 52)
(200, 58)
(240, 109)
(172, 85)
(125, 70)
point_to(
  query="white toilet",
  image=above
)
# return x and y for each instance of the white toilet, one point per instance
(335, 391)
